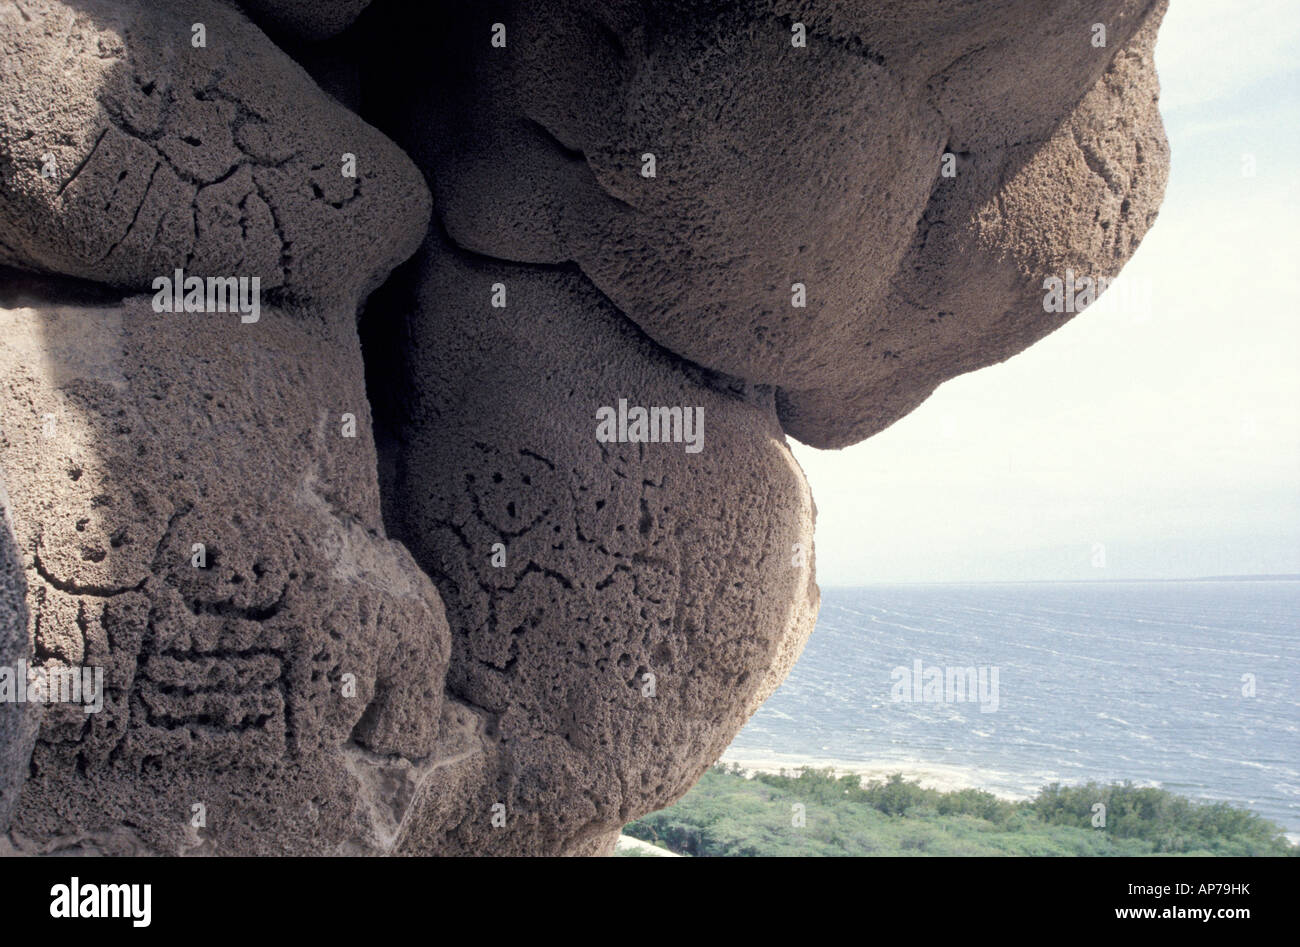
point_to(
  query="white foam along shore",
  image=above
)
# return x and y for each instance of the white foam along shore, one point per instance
(942, 777)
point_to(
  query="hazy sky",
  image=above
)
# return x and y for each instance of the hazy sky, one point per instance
(1172, 437)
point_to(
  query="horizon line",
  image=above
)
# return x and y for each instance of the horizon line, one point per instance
(1246, 577)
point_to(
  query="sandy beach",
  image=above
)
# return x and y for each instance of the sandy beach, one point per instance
(627, 843)
(930, 775)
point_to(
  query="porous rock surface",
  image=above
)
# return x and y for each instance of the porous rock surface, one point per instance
(818, 165)
(217, 160)
(644, 600)
(224, 676)
(17, 729)
(471, 626)
(306, 19)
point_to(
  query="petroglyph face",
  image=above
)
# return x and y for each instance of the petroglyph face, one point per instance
(400, 572)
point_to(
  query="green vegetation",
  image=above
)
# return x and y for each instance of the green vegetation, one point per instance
(727, 814)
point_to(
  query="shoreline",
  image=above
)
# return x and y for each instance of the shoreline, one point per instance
(940, 776)
(627, 843)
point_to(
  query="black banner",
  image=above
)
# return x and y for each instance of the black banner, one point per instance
(1220, 898)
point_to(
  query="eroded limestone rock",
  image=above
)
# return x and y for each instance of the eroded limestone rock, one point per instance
(17, 724)
(195, 520)
(619, 609)
(125, 152)
(819, 165)
(616, 610)
(970, 290)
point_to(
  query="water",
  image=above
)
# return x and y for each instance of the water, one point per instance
(1100, 681)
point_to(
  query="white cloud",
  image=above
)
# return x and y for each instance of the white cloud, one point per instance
(1209, 50)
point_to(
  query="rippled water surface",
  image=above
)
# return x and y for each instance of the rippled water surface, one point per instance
(1104, 681)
